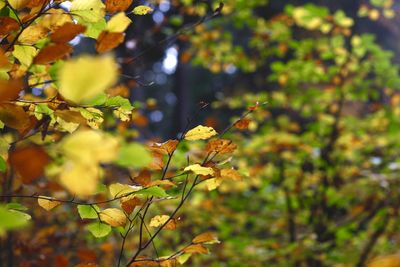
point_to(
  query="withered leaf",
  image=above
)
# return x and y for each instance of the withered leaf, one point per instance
(7, 25)
(9, 89)
(14, 116)
(167, 147)
(221, 146)
(144, 178)
(196, 248)
(243, 124)
(113, 6)
(51, 53)
(67, 32)
(108, 40)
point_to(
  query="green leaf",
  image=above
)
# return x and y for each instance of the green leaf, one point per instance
(133, 155)
(98, 229)
(142, 10)
(24, 54)
(119, 101)
(154, 191)
(16, 206)
(3, 165)
(12, 219)
(88, 212)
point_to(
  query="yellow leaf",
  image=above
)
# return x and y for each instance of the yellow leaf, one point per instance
(24, 54)
(200, 133)
(80, 179)
(86, 77)
(118, 23)
(88, 10)
(231, 174)
(113, 217)
(385, 261)
(212, 183)
(158, 220)
(32, 34)
(206, 238)
(47, 203)
(117, 189)
(200, 170)
(142, 10)
(17, 4)
(90, 147)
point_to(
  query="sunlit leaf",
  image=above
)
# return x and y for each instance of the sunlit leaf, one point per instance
(78, 80)
(200, 133)
(118, 23)
(88, 10)
(199, 170)
(206, 238)
(80, 179)
(142, 10)
(196, 248)
(118, 189)
(25, 54)
(48, 203)
(158, 220)
(67, 32)
(133, 155)
(114, 217)
(108, 41)
(51, 53)
(113, 6)
(11, 220)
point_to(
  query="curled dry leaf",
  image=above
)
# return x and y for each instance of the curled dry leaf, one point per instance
(206, 238)
(158, 220)
(113, 217)
(199, 170)
(48, 203)
(67, 32)
(200, 133)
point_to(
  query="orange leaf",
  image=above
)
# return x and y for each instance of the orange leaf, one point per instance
(221, 146)
(145, 261)
(67, 32)
(196, 248)
(51, 53)
(206, 237)
(9, 89)
(243, 124)
(129, 205)
(165, 148)
(108, 40)
(29, 162)
(7, 25)
(144, 178)
(113, 6)
(14, 116)
(4, 63)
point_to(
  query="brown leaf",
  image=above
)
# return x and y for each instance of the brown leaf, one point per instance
(108, 40)
(157, 163)
(14, 116)
(144, 261)
(231, 174)
(129, 205)
(29, 162)
(70, 116)
(167, 147)
(196, 248)
(61, 261)
(4, 63)
(144, 178)
(113, 6)
(243, 124)
(7, 25)
(67, 32)
(9, 89)
(171, 225)
(51, 53)
(36, 3)
(221, 146)
(206, 237)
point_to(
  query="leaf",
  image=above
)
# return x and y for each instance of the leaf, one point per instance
(88, 10)
(3, 165)
(98, 229)
(231, 174)
(154, 191)
(184, 258)
(10, 89)
(48, 203)
(220, 146)
(29, 162)
(118, 101)
(118, 189)
(80, 179)
(206, 238)
(108, 40)
(118, 23)
(129, 205)
(90, 146)
(158, 220)
(143, 178)
(78, 80)
(33, 34)
(24, 54)
(7, 25)
(166, 148)
(142, 10)
(18, 4)
(51, 53)
(67, 32)
(11, 220)
(133, 155)
(88, 211)
(242, 124)
(199, 170)
(114, 217)
(14, 116)
(385, 261)
(200, 133)
(213, 183)
(113, 6)
(196, 248)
